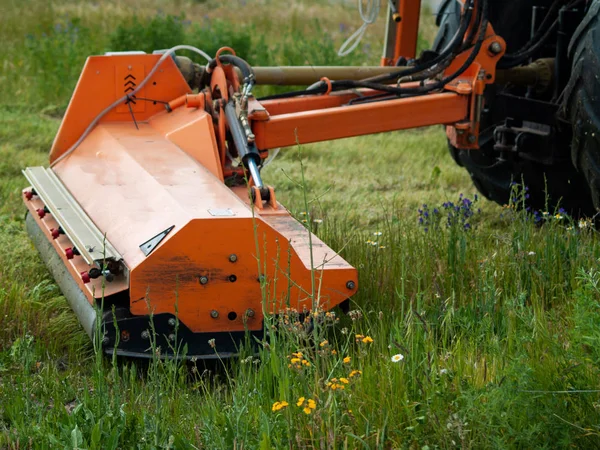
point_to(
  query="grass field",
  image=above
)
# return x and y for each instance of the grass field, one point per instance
(474, 326)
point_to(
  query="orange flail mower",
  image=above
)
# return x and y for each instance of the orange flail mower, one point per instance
(153, 207)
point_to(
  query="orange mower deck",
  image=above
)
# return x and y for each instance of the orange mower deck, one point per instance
(192, 251)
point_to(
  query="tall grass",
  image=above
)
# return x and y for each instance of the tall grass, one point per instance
(478, 336)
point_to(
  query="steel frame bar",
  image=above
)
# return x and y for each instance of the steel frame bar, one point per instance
(402, 36)
(307, 126)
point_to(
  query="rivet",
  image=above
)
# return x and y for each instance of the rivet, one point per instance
(250, 312)
(172, 322)
(105, 340)
(145, 334)
(203, 280)
(350, 284)
(214, 314)
(233, 258)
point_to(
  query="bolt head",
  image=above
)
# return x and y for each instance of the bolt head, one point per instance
(472, 139)
(172, 337)
(495, 48)
(350, 284)
(250, 312)
(233, 258)
(145, 334)
(172, 322)
(203, 280)
(214, 314)
(105, 340)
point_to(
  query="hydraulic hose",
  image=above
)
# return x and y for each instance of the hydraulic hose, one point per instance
(247, 72)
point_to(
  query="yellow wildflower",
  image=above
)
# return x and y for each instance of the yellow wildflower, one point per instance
(344, 380)
(333, 352)
(297, 354)
(347, 360)
(279, 405)
(295, 360)
(355, 373)
(359, 336)
(323, 344)
(306, 363)
(311, 403)
(307, 410)
(300, 401)
(367, 340)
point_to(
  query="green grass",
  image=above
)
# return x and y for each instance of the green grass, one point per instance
(498, 324)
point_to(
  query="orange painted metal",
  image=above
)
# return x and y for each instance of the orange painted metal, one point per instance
(105, 79)
(406, 32)
(338, 122)
(134, 182)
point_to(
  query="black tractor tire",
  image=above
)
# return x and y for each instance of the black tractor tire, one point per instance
(582, 100)
(549, 186)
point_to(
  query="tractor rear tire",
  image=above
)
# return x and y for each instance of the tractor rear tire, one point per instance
(549, 186)
(582, 100)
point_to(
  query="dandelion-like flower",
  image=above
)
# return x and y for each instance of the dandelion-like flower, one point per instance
(277, 406)
(347, 360)
(307, 405)
(324, 343)
(377, 233)
(355, 373)
(367, 340)
(397, 358)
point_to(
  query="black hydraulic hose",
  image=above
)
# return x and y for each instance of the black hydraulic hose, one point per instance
(452, 49)
(348, 84)
(245, 68)
(476, 49)
(536, 43)
(537, 35)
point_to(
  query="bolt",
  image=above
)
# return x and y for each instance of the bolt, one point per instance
(145, 334)
(472, 139)
(233, 258)
(350, 284)
(172, 322)
(203, 280)
(172, 337)
(105, 340)
(495, 48)
(214, 314)
(249, 313)
(261, 278)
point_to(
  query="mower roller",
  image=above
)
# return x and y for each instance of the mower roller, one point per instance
(152, 215)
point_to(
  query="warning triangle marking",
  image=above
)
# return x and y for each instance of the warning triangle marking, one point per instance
(152, 243)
